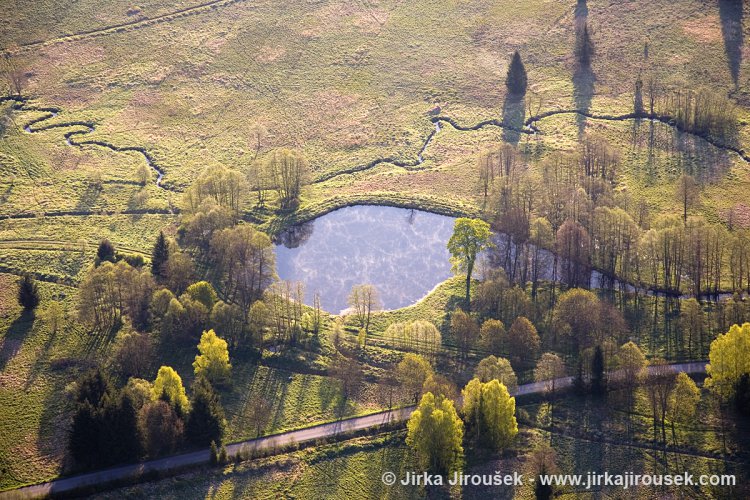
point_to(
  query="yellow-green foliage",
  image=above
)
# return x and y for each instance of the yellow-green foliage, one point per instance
(729, 358)
(213, 360)
(491, 411)
(169, 383)
(435, 433)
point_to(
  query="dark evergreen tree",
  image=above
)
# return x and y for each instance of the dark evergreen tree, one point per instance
(106, 251)
(584, 46)
(598, 380)
(105, 427)
(159, 256)
(93, 387)
(579, 385)
(742, 395)
(516, 79)
(206, 421)
(83, 442)
(124, 440)
(28, 293)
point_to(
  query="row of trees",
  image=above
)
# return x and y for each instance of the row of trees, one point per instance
(436, 432)
(283, 171)
(120, 424)
(588, 225)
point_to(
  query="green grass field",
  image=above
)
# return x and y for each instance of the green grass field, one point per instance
(347, 83)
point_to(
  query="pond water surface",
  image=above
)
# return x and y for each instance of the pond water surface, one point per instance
(400, 251)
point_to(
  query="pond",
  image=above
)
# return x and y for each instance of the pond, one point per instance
(400, 251)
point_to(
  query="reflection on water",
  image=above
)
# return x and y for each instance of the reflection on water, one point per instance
(400, 251)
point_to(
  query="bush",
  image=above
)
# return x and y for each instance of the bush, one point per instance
(105, 252)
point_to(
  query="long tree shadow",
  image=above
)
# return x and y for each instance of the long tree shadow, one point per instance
(89, 198)
(583, 93)
(514, 113)
(581, 12)
(730, 12)
(13, 340)
(700, 159)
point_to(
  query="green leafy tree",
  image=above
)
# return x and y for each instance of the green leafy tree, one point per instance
(28, 292)
(729, 359)
(140, 392)
(159, 256)
(632, 365)
(498, 414)
(175, 317)
(205, 422)
(490, 410)
(516, 79)
(493, 336)
(213, 360)
(168, 387)
(53, 315)
(229, 321)
(203, 292)
(412, 372)
(470, 236)
(493, 368)
(523, 341)
(435, 433)
(464, 329)
(683, 402)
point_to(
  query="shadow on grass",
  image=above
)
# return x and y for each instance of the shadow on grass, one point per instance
(13, 340)
(89, 198)
(583, 93)
(581, 12)
(700, 159)
(6, 194)
(514, 113)
(730, 12)
(100, 338)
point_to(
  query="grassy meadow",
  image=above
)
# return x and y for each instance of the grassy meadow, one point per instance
(347, 83)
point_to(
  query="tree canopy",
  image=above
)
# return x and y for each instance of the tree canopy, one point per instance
(470, 236)
(516, 79)
(213, 360)
(493, 368)
(729, 359)
(490, 410)
(168, 386)
(435, 433)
